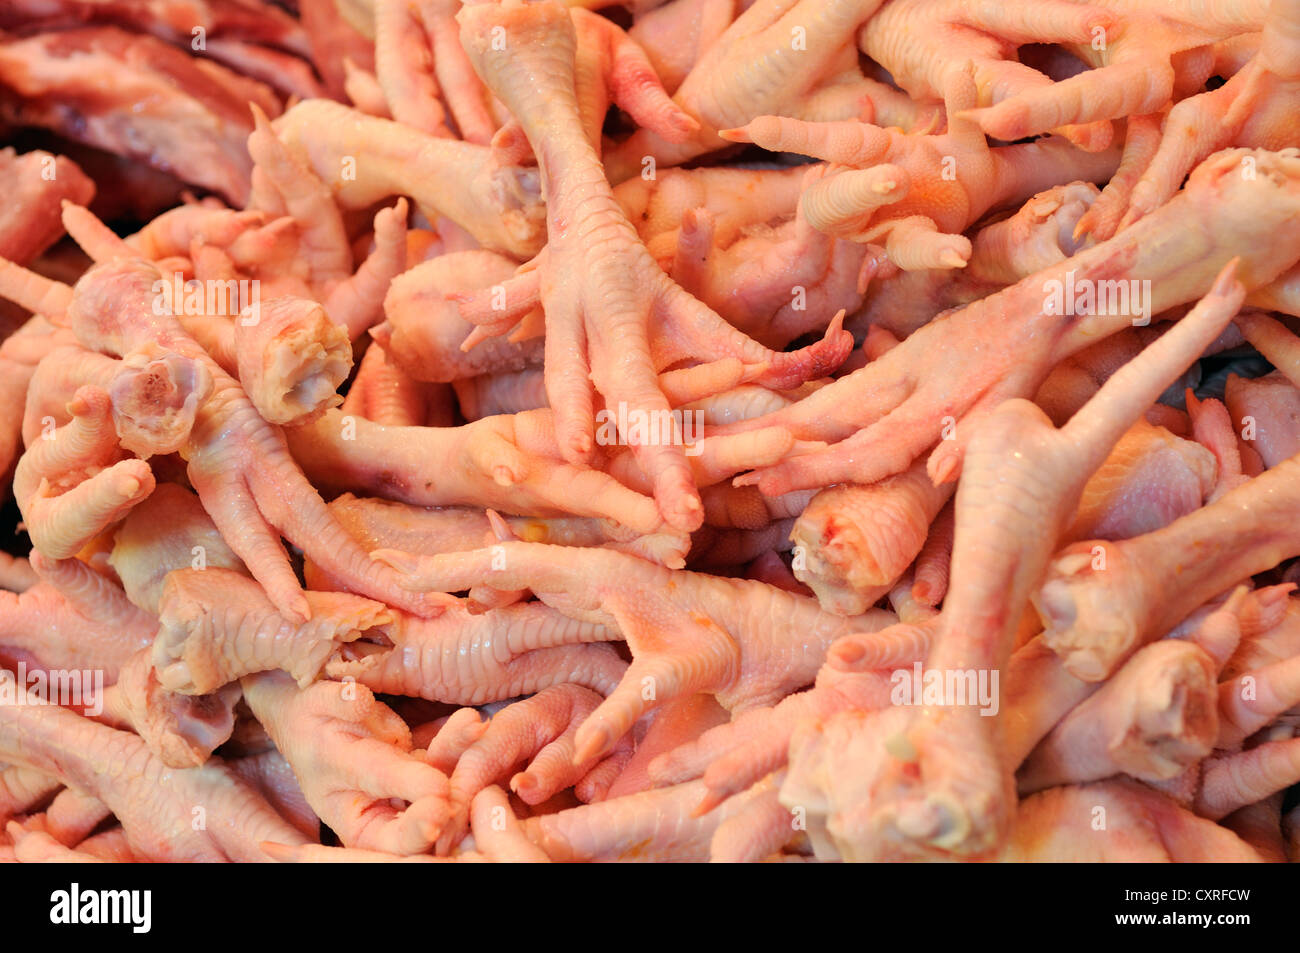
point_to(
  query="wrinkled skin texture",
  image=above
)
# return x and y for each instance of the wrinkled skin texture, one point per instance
(153, 803)
(855, 542)
(1154, 721)
(756, 69)
(215, 626)
(472, 659)
(109, 311)
(329, 726)
(73, 618)
(1038, 236)
(424, 330)
(597, 284)
(78, 482)
(535, 734)
(924, 781)
(1150, 479)
(182, 730)
(1137, 51)
(364, 531)
(890, 412)
(506, 462)
(499, 205)
(142, 560)
(915, 194)
(737, 240)
(1094, 646)
(713, 636)
(653, 825)
(1254, 108)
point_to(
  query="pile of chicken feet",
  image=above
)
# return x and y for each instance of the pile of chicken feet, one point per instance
(702, 430)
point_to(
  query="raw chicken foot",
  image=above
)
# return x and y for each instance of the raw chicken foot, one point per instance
(933, 780)
(688, 632)
(891, 411)
(598, 286)
(352, 756)
(239, 463)
(916, 194)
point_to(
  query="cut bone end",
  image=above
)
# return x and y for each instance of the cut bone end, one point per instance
(155, 402)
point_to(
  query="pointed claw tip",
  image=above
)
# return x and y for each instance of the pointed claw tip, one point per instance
(281, 853)
(296, 610)
(944, 470)
(581, 445)
(865, 274)
(260, 120)
(707, 803)
(1226, 281)
(684, 123)
(395, 559)
(500, 528)
(525, 786)
(847, 653)
(738, 134)
(435, 604)
(591, 744)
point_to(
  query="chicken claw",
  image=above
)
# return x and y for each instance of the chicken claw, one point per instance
(352, 756)
(927, 780)
(688, 632)
(600, 289)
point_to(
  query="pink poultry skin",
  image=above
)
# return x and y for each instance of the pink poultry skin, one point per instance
(343, 523)
(596, 330)
(934, 779)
